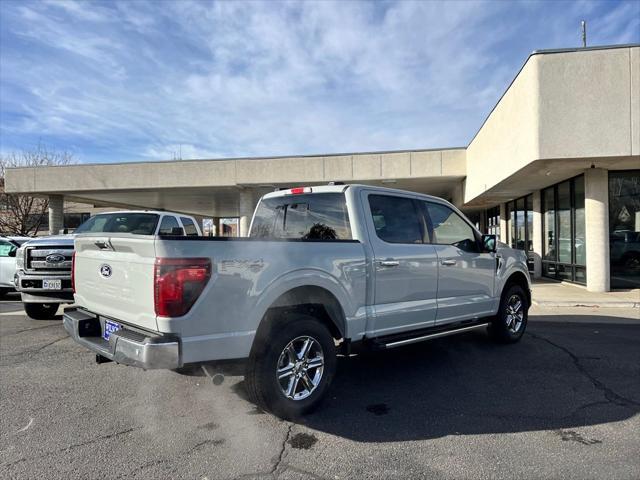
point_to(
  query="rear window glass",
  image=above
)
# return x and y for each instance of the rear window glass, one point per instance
(136, 223)
(319, 216)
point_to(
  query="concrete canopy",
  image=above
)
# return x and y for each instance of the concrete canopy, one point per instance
(214, 187)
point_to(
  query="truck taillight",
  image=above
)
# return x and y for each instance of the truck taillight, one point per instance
(178, 282)
(73, 272)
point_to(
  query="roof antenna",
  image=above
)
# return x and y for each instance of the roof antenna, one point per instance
(584, 33)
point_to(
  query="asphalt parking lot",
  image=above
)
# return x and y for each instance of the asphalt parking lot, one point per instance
(563, 403)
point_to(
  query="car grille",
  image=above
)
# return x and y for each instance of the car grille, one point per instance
(48, 260)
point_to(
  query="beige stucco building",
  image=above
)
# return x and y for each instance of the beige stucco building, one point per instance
(554, 170)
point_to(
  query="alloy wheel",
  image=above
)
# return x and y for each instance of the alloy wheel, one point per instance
(514, 313)
(300, 368)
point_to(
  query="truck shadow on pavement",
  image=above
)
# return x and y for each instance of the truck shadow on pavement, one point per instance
(563, 374)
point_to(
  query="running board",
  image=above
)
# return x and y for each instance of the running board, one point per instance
(380, 343)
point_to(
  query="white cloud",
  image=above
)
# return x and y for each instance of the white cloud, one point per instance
(130, 80)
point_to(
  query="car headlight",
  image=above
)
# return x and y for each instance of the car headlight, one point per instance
(20, 259)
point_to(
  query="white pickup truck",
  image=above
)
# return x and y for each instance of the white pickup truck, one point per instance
(325, 269)
(43, 267)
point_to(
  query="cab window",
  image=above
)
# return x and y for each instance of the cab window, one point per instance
(6, 248)
(450, 229)
(396, 219)
(167, 225)
(190, 229)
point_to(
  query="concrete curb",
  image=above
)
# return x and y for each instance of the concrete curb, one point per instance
(576, 303)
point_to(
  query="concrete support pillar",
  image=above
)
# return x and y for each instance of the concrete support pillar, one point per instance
(245, 211)
(504, 232)
(537, 234)
(56, 214)
(596, 212)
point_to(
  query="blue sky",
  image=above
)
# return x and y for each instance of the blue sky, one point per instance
(135, 80)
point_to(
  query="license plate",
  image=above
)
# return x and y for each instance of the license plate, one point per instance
(109, 328)
(52, 284)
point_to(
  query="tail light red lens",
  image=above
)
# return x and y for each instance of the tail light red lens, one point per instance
(73, 272)
(299, 190)
(178, 282)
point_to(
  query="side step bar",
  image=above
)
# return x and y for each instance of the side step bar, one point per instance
(381, 344)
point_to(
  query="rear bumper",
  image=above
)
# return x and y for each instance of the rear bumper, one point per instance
(129, 347)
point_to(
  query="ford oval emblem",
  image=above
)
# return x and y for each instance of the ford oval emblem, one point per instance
(105, 270)
(54, 258)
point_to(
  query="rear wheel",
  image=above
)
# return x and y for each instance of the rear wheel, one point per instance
(41, 311)
(511, 321)
(289, 373)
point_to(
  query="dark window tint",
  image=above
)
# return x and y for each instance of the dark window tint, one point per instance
(167, 226)
(450, 229)
(320, 216)
(189, 227)
(136, 223)
(395, 219)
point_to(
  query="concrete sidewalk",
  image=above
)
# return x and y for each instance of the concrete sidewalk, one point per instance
(547, 293)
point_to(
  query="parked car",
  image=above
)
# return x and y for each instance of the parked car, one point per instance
(358, 266)
(9, 246)
(43, 276)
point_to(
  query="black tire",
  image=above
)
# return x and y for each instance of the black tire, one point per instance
(264, 388)
(41, 311)
(507, 327)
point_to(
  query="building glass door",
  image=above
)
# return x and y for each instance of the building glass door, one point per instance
(563, 228)
(624, 228)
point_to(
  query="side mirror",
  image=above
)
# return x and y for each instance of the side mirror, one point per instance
(489, 243)
(13, 252)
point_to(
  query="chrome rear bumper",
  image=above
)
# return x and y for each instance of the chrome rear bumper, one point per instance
(129, 347)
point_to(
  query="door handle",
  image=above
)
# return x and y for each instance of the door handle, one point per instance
(448, 263)
(389, 263)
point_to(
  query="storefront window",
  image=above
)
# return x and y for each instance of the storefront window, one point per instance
(492, 224)
(549, 220)
(624, 228)
(520, 218)
(529, 228)
(563, 229)
(578, 221)
(564, 222)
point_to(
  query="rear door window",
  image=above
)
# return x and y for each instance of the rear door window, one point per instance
(396, 219)
(190, 229)
(319, 216)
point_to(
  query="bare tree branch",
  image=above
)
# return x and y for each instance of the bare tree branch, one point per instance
(24, 214)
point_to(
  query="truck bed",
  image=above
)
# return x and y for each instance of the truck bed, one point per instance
(247, 276)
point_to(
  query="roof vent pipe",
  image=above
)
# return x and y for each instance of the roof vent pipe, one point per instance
(584, 33)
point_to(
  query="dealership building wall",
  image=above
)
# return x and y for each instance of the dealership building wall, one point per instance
(554, 170)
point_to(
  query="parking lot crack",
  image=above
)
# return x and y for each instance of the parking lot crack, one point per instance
(75, 445)
(609, 394)
(275, 469)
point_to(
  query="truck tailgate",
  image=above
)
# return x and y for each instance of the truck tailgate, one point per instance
(114, 277)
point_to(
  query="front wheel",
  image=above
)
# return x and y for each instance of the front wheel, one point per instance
(511, 321)
(41, 311)
(290, 372)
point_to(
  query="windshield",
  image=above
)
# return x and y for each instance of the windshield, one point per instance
(136, 223)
